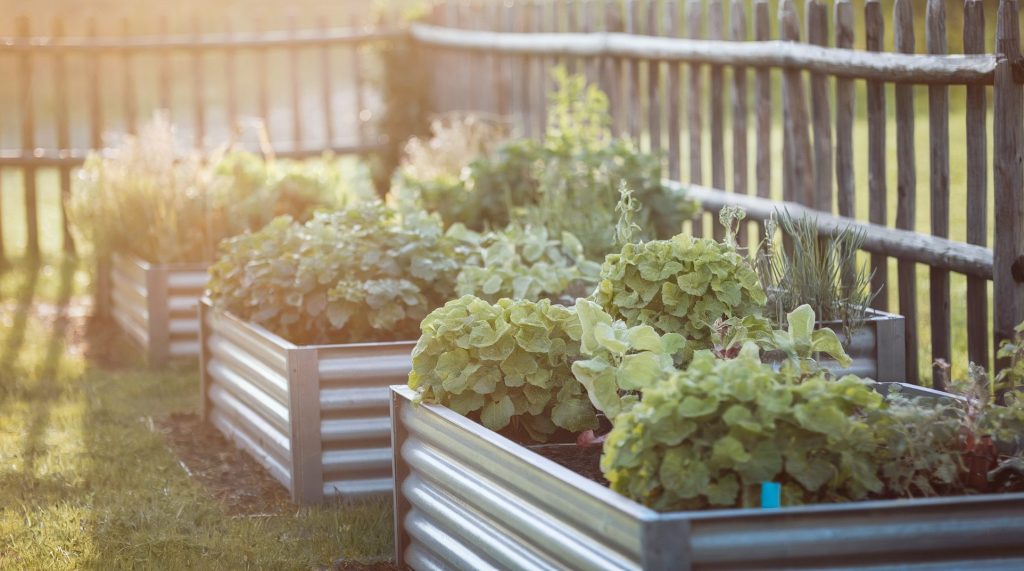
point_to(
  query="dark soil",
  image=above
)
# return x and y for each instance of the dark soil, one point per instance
(585, 461)
(237, 481)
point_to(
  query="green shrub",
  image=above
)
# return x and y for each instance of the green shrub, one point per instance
(683, 285)
(524, 263)
(251, 191)
(577, 167)
(1011, 377)
(504, 364)
(710, 435)
(361, 274)
(153, 199)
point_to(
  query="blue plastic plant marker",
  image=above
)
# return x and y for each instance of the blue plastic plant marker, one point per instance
(771, 494)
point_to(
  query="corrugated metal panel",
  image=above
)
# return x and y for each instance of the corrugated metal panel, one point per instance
(247, 393)
(469, 498)
(516, 509)
(268, 348)
(166, 316)
(355, 425)
(869, 349)
(129, 300)
(271, 442)
(337, 429)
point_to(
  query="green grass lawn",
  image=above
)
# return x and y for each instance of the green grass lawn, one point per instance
(85, 481)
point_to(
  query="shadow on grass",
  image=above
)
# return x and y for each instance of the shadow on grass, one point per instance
(48, 390)
(16, 331)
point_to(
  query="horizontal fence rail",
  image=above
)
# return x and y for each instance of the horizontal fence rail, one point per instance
(846, 63)
(261, 40)
(750, 102)
(933, 251)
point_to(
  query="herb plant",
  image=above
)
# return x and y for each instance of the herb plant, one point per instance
(360, 274)
(504, 364)
(1011, 378)
(683, 285)
(710, 435)
(822, 272)
(146, 199)
(524, 263)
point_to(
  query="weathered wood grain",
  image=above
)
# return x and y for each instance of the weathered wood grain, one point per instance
(853, 64)
(821, 111)
(874, 25)
(938, 128)
(977, 186)
(845, 190)
(906, 183)
(1008, 300)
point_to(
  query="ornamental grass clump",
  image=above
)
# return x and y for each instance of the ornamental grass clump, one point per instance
(708, 436)
(146, 199)
(154, 199)
(816, 270)
(361, 274)
(506, 365)
(684, 285)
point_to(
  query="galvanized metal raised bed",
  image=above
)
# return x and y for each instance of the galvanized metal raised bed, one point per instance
(315, 416)
(468, 498)
(878, 348)
(155, 304)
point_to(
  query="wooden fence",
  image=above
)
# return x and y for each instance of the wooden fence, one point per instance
(761, 115)
(665, 62)
(324, 48)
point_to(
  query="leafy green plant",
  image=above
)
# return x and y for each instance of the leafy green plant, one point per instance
(434, 172)
(250, 191)
(798, 347)
(523, 263)
(683, 285)
(815, 270)
(504, 364)
(710, 435)
(365, 273)
(622, 361)
(1011, 377)
(577, 167)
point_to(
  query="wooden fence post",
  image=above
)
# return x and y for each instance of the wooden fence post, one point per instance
(874, 26)
(816, 22)
(738, 33)
(716, 101)
(977, 186)
(1008, 271)
(695, 120)
(28, 143)
(796, 117)
(906, 186)
(938, 128)
(63, 138)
